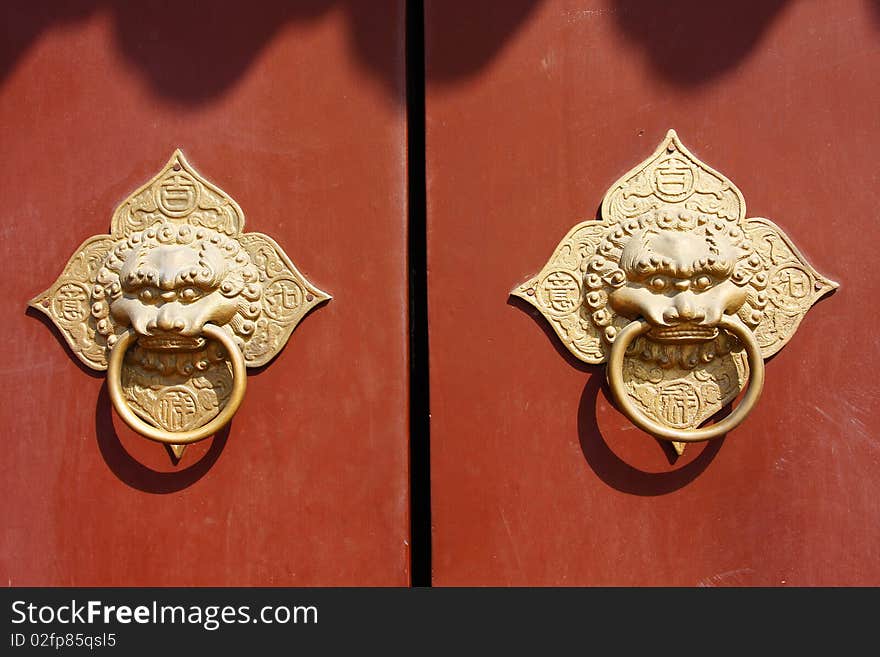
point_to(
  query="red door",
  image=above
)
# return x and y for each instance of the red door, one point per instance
(298, 112)
(534, 109)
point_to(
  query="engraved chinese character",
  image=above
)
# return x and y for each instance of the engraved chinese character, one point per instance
(174, 409)
(673, 178)
(678, 404)
(283, 297)
(562, 291)
(791, 282)
(70, 303)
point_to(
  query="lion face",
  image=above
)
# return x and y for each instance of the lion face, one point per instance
(680, 271)
(679, 282)
(168, 281)
(170, 292)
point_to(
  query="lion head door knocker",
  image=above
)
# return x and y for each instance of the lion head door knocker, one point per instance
(679, 292)
(176, 303)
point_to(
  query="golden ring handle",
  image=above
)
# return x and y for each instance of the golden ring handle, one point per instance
(756, 383)
(239, 382)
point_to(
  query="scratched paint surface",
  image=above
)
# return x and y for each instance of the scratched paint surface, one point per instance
(309, 485)
(537, 479)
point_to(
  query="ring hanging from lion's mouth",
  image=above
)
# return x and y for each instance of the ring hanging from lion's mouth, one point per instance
(756, 383)
(239, 377)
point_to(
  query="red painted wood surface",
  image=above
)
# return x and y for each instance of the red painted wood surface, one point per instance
(297, 110)
(533, 110)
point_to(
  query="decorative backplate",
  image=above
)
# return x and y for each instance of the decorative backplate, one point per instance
(176, 260)
(674, 249)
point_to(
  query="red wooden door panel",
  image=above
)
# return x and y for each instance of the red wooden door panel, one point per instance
(297, 110)
(536, 478)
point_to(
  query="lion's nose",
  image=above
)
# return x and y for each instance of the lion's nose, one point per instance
(166, 321)
(683, 310)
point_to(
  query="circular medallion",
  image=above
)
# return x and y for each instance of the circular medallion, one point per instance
(282, 299)
(71, 303)
(673, 179)
(176, 408)
(560, 292)
(790, 289)
(677, 404)
(178, 194)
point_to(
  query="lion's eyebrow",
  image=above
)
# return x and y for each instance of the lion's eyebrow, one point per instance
(643, 269)
(718, 267)
(134, 281)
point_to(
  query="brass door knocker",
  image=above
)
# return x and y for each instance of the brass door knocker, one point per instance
(175, 303)
(679, 292)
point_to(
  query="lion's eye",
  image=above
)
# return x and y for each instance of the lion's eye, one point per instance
(658, 283)
(147, 294)
(702, 283)
(188, 294)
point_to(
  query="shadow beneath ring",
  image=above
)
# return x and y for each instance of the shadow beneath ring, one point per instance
(134, 473)
(619, 474)
(612, 469)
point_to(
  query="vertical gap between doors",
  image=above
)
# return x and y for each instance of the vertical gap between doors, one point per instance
(419, 429)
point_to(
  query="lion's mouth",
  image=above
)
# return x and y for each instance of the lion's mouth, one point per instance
(683, 333)
(171, 342)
